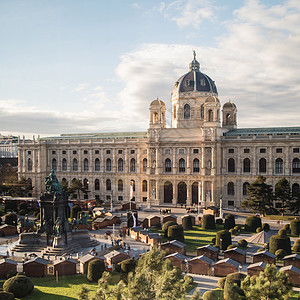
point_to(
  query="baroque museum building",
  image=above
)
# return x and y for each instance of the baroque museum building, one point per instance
(203, 156)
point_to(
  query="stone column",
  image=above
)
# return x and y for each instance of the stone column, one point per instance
(174, 164)
(203, 161)
(175, 188)
(188, 161)
(188, 194)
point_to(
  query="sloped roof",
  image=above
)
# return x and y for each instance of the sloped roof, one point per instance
(88, 257)
(291, 268)
(113, 254)
(8, 261)
(59, 261)
(177, 255)
(296, 256)
(209, 247)
(236, 249)
(38, 260)
(203, 258)
(154, 236)
(228, 261)
(258, 264)
(261, 237)
(267, 253)
(175, 243)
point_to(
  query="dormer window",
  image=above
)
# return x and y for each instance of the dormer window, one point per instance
(188, 82)
(202, 82)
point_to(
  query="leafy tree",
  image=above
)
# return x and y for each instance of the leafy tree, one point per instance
(8, 174)
(77, 187)
(268, 285)
(283, 193)
(196, 295)
(65, 186)
(84, 293)
(260, 196)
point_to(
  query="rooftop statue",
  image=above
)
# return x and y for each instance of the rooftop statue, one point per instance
(53, 186)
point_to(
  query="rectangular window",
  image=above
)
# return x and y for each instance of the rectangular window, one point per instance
(295, 150)
(132, 151)
(64, 152)
(107, 197)
(97, 197)
(120, 198)
(53, 152)
(196, 150)
(120, 151)
(230, 203)
(278, 150)
(230, 150)
(96, 151)
(85, 152)
(107, 151)
(74, 152)
(144, 199)
(85, 196)
(246, 150)
(167, 151)
(181, 151)
(262, 150)
(202, 82)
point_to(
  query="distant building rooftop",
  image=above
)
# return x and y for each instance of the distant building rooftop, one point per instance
(264, 131)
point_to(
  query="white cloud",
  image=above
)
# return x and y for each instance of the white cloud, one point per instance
(81, 87)
(188, 12)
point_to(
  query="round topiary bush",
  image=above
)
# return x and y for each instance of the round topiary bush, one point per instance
(208, 222)
(280, 242)
(166, 226)
(232, 279)
(175, 232)
(280, 254)
(219, 221)
(243, 243)
(6, 296)
(223, 239)
(188, 279)
(213, 240)
(229, 222)
(296, 246)
(258, 229)
(19, 285)
(11, 273)
(95, 269)
(266, 227)
(282, 232)
(11, 219)
(252, 223)
(128, 265)
(260, 250)
(221, 282)
(295, 227)
(233, 231)
(287, 228)
(231, 247)
(237, 228)
(213, 295)
(187, 223)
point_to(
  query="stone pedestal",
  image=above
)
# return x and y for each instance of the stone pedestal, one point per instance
(59, 242)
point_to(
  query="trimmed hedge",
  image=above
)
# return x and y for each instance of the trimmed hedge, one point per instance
(233, 231)
(219, 221)
(19, 285)
(280, 254)
(187, 223)
(166, 226)
(295, 227)
(280, 242)
(259, 229)
(221, 283)
(296, 246)
(287, 228)
(226, 239)
(95, 269)
(127, 265)
(208, 222)
(282, 232)
(237, 228)
(231, 280)
(213, 295)
(252, 223)
(229, 222)
(6, 296)
(175, 232)
(231, 247)
(243, 243)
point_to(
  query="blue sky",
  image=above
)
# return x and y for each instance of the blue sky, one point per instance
(92, 66)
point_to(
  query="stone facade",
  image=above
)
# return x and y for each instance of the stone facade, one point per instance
(199, 158)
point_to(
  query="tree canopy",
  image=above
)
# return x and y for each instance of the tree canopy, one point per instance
(283, 194)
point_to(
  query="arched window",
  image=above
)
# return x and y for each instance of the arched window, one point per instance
(97, 185)
(145, 165)
(181, 165)
(296, 165)
(174, 112)
(120, 165)
(295, 190)
(85, 183)
(186, 111)
(245, 186)
(132, 165)
(75, 164)
(202, 111)
(144, 186)
(120, 185)
(230, 188)
(196, 165)
(168, 165)
(246, 165)
(108, 165)
(108, 184)
(54, 164)
(97, 164)
(231, 165)
(210, 116)
(155, 116)
(228, 119)
(85, 164)
(278, 166)
(29, 164)
(64, 164)
(262, 165)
